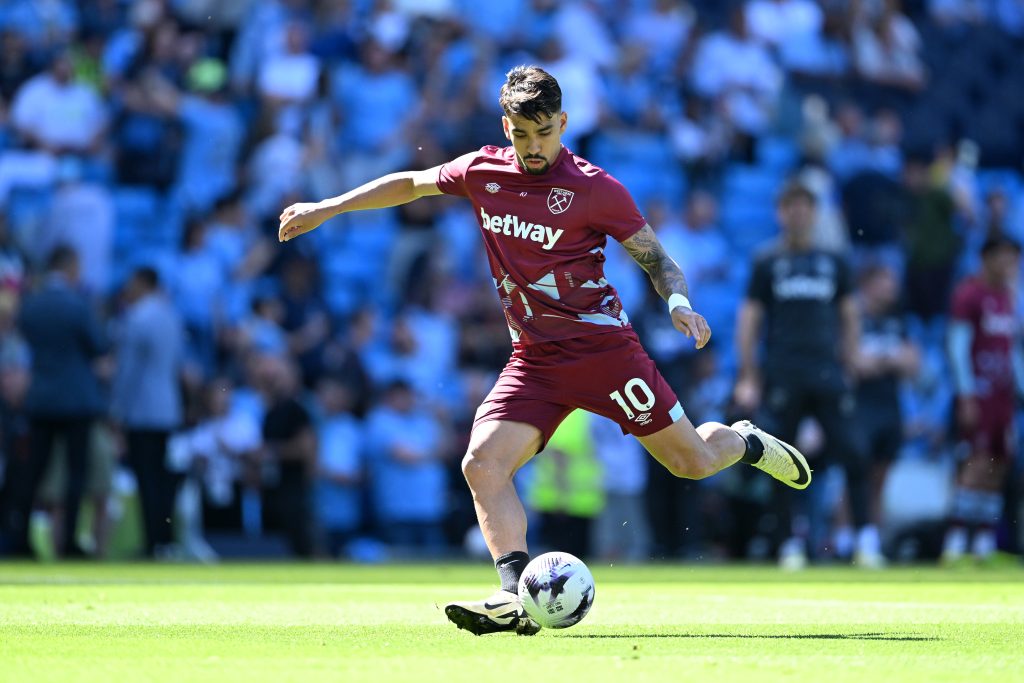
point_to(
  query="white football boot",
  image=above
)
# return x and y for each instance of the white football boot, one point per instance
(503, 611)
(778, 458)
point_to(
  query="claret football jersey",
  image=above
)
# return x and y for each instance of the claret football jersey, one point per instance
(990, 313)
(545, 237)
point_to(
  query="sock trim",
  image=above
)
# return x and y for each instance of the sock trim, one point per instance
(753, 450)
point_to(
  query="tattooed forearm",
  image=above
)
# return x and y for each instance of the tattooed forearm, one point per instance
(646, 250)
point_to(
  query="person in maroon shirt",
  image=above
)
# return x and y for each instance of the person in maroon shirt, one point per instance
(545, 215)
(985, 355)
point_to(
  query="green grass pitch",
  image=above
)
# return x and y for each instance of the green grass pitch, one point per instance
(284, 622)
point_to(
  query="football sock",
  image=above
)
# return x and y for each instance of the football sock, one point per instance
(844, 540)
(966, 505)
(869, 541)
(984, 542)
(510, 567)
(754, 449)
(955, 543)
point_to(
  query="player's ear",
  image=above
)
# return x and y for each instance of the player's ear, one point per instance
(505, 123)
(564, 119)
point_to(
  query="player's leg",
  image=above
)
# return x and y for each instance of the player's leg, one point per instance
(626, 386)
(783, 408)
(497, 448)
(977, 502)
(695, 453)
(985, 476)
(835, 409)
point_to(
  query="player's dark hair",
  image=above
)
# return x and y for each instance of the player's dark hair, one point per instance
(998, 241)
(794, 189)
(530, 92)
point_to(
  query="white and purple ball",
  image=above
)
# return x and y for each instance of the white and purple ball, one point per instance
(557, 590)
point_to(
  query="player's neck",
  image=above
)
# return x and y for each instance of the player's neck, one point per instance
(798, 246)
(992, 281)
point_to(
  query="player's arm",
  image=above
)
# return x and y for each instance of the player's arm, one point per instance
(1017, 359)
(849, 316)
(748, 331)
(668, 280)
(386, 191)
(959, 340)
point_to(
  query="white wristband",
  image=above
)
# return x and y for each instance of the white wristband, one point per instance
(678, 300)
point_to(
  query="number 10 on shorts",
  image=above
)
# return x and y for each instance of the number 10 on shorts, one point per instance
(638, 394)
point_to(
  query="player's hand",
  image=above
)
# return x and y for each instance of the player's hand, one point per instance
(298, 219)
(692, 324)
(967, 412)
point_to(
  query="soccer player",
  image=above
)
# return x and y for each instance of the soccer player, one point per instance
(802, 298)
(984, 351)
(545, 215)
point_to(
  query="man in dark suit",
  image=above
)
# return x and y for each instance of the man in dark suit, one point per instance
(64, 397)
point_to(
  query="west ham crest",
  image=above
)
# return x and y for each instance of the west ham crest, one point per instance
(559, 200)
(492, 187)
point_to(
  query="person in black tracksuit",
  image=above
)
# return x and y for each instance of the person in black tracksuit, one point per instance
(801, 298)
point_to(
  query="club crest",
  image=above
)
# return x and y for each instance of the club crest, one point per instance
(559, 200)
(492, 187)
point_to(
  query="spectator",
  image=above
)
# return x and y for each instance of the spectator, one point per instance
(58, 115)
(340, 469)
(291, 76)
(662, 32)
(930, 241)
(290, 442)
(199, 281)
(373, 144)
(82, 217)
(408, 479)
(146, 400)
(222, 451)
(212, 136)
(64, 397)
(16, 64)
(886, 50)
(732, 67)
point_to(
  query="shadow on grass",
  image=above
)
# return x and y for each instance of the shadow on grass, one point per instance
(794, 636)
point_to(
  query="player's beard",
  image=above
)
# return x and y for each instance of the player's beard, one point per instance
(534, 171)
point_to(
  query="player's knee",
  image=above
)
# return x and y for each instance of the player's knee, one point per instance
(690, 465)
(482, 470)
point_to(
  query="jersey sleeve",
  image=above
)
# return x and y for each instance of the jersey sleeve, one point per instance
(965, 303)
(451, 179)
(760, 286)
(612, 209)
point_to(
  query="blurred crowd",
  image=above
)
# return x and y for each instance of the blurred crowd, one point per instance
(224, 389)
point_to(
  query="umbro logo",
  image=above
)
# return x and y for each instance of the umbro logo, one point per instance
(492, 187)
(643, 418)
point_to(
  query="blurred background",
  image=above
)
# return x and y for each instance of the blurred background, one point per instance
(237, 397)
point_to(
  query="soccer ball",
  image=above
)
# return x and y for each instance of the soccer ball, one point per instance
(557, 590)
